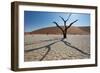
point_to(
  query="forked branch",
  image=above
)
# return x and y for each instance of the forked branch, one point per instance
(64, 30)
(58, 26)
(65, 20)
(68, 17)
(71, 24)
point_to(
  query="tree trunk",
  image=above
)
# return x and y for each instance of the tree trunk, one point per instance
(64, 35)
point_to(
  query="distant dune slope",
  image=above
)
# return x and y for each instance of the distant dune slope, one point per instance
(55, 30)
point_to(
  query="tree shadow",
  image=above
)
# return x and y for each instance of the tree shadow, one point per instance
(69, 44)
(47, 47)
(41, 41)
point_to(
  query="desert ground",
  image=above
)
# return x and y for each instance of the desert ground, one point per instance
(41, 47)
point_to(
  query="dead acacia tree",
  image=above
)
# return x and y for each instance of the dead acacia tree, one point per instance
(64, 31)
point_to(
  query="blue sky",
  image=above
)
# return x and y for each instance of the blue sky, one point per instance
(34, 20)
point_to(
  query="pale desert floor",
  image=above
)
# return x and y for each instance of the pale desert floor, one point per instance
(52, 47)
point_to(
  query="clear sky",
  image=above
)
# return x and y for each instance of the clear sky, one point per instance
(34, 20)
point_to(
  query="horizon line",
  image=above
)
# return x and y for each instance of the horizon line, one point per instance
(53, 26)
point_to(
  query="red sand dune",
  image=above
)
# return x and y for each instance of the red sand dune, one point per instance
(56, 30)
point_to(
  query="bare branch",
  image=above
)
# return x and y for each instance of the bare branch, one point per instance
(63, 21)
(68, 17)
(62, 18)
(72, 23)
(58, 26)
